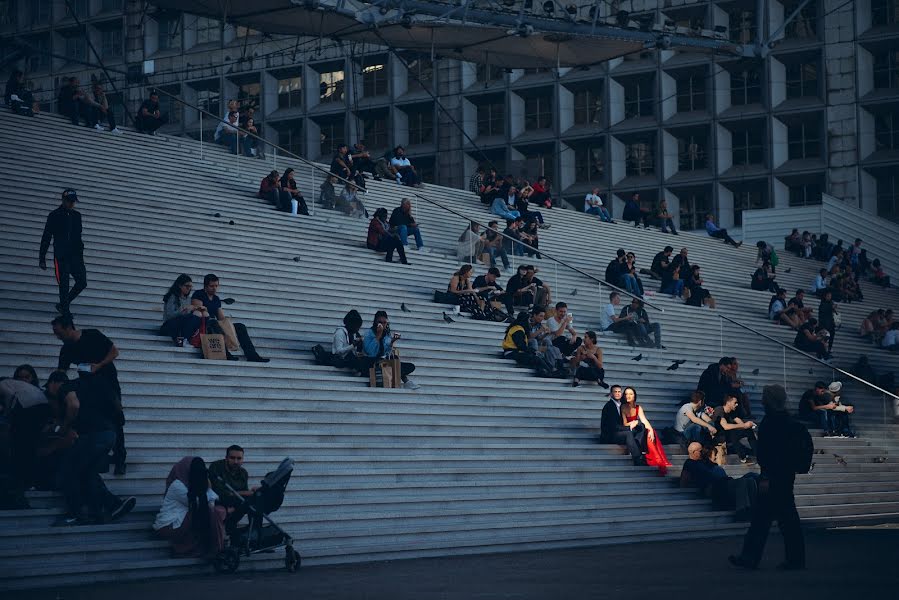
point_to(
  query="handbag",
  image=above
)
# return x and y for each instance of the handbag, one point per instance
(195, 339)
(230, 333)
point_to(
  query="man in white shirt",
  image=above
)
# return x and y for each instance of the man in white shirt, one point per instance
(405, 172)
(230, 136)
(559, 326)
(820, 283)
(593, 206)
(891, 338)
(692, 422)
(610, 320)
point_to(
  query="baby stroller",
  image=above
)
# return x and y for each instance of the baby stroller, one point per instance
(259, 537)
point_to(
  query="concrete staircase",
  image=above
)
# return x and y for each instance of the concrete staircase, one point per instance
(483, 458)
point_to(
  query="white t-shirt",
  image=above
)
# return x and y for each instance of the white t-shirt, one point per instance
(777, 307)
(554, 324)
(591, 200)
(820, 283)
(891, 338)
(174, 506)
(682, 420)
(400, 162)
(605, 319)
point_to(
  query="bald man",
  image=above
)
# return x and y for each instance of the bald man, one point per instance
(712, 480)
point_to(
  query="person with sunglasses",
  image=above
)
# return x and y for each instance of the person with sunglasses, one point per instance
(180, 318)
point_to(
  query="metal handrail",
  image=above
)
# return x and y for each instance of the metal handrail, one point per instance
(809, 356)
(415, 194)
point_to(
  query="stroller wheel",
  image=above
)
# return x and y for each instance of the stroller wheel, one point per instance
(292, 559)
(226, 561)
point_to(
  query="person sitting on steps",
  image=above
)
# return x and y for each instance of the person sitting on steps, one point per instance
(404, 223)
(208, 298)
(636, 312)
(610, 320)
(180, 318)
(270, 190)
(719, 233)
(468, 297)
(149, 117)
(564, 336)
(664, 219)
(587, 362)
(346, 345)
(378, 344)
(612, 429)
(381, 239)
(732, 429)
(289, 186)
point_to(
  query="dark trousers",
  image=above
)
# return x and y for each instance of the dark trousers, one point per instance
(243, 338)
(95, 115)
(409, 177)
(389, 244)
(590, 374)
(149, 123)
(70, 266)
(634, 439)
(722, 234)
(354, 362)
(654, 328)
(182, 326)
(566, 346)
(776, 503)
(733, 438)
(79, 477)
(75, 111)
(628, 328)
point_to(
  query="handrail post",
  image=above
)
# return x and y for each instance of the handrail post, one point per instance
(312, 196)
(238, 154)
(275, 159)
(201, 135)
(721, 334)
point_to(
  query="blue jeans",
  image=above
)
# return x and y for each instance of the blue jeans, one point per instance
(594, 210)
(629, 282)
(403, 232)
(675, 288)
(494, 252)
(508, 215)
(79, 478)
(230, 140)
(693, 433)
(656, 330)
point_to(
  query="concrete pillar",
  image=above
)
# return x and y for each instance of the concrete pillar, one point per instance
(311, 90)
(615, 101)
(673, 205)
(725, 207)
(724, 151)
(516, 115)
(721, 82)
(450, 167)
(566, 109)
(668, 92)
(668, 153)
(777, 81)
(617, 166)
(781, 193)
(866, 143)
(566, 166)
(778, 143)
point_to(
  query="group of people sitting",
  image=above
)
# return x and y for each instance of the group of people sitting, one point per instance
(678, 277)
(392, 235)
(235, 129)
(881, 329)
(853, 259)
(353, 164)
(632, 321)
(282, 192)
(659, 216)
(516, 195)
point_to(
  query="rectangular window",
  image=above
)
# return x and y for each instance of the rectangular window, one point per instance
(589, 163)
(886, 131)
(884, 12)
(168, 33)
(39, 60)
(210, 101)
(331, 135)
(747, 146)
(77, 7)
(538, 112)
(888, 197)
(76, 48)
(691, 153)
(249, 94)
(742, 25)
(208, 30)
(693, 209)
(376, 131)
(421, 126)
(290, 92)
(802, 80)
(886, 69)
(170, 107)
(691, 93)
(374, 81)
(290, 136)
(746, 87)
(639, 156)
(749, 198)
(491, 119)
(488, 73)
(805, 24)
(806, 194)
(330, 87)
(112, 46)
(588, 106)
(242, 32)
(803, 141)
(8, 12)
(638, 101)
(420, 74)
(40, 11)
(110, 5)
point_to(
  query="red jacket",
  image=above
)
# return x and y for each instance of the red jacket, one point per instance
(376, 231)
(265, 186)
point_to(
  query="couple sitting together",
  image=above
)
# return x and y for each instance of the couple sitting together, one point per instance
(625, 423)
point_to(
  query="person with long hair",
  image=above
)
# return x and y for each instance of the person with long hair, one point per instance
(632, 414)
(27, 374)
(180, 319)
(380, 238)
(346, 345)
(379, 342)
(468, 297)
(188, 518)
(515, 340)
(699, 296)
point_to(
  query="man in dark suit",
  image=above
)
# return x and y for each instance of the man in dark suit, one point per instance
(781, 439)
(712, 382)
(613, 431)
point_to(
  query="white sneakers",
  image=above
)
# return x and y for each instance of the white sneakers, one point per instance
(117, 131)
(99, 127)
(411, 385)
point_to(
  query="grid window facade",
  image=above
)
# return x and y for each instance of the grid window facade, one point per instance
(168, 33)
(746, 86)
(420, 74)
(39, 60)
(588, 106)
(376, 131)
(638, 98)
(374, 80)
(332, 133)
(888, 196)
(590, 162)
(40, 11)
(640, 156)
(538, 112)
(886, 69)
(694, 206)
(691, 153)
(749, 198)
(290, 136)
(290, 92)
(488, 73)
(886, 130)
(249, 95)
(110, 5)
(884, 12)
(803, 141)
(77, 7)
(331, 87)
(209, 31)
(805, 25)
(748, 146)
(742, 25)
(76, 48)
(691, 93)
(802, 80)
(421, 126)
(805, 194)
(491, 119)
(112, 45)
(210, 101)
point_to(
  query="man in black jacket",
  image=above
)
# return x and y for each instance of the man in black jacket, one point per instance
(613, 431)
(780, 439)
(712, 382)
(64, 228)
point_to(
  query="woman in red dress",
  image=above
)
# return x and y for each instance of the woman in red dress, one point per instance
(633, 416)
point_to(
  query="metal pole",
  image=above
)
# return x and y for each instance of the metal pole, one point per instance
(312, 197)
(558, 289)
(201, 135)
(238, 154)
(721, 334)
(784, 351)
(275, 159)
